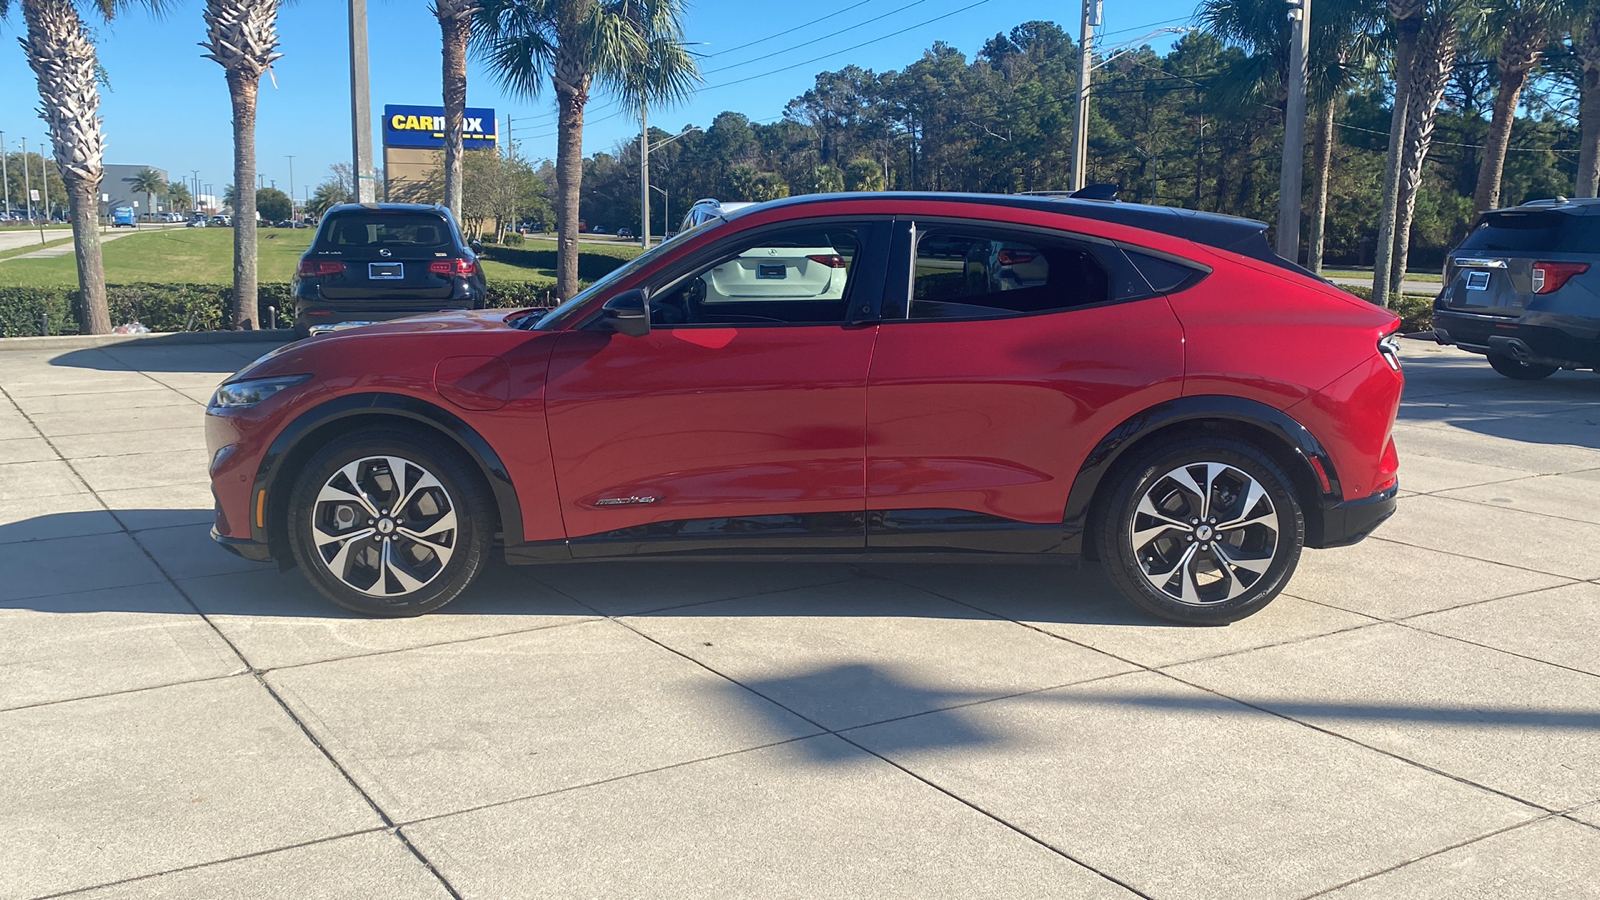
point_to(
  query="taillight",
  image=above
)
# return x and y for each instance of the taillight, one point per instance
(1016, 257)
(320, 267)
(1549, 277)
(831, 260)
(453, 267)
(1389, 349)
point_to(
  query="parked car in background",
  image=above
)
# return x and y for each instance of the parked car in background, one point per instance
(1170, 396)
(625, 233)
(599, 229)
(222, 220)
(1524, 289)
(375, 262)
(123, 217)
(705, 210)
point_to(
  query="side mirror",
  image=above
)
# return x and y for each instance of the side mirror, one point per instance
(476, 245)
(627, 313)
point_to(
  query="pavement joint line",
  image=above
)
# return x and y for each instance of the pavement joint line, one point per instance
(948, 793)
(1390, 540)
(1162, 671)
(1535, 659)
(1416, 859)
(215, 862)
(449, 643)
(1460, 779)
(125, 691)
(1569, 582)
(426, 863)
(1513, 509)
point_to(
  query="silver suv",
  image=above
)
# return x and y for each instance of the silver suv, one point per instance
(707, 209)
(1524, 289)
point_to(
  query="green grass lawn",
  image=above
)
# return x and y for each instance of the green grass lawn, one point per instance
(1351, 272)
(205, 256)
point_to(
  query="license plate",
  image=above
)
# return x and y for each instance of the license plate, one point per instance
(772, 270)
(385, 271)
(1477, 281)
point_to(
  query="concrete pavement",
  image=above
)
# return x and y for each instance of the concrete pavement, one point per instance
(1418, 717)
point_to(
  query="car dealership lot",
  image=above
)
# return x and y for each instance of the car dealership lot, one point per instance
(1418, 716)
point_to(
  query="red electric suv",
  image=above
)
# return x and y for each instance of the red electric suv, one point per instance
(884, 376)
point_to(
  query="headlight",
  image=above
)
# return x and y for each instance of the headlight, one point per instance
(238, 394)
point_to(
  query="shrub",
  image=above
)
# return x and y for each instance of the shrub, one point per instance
(1415, 310)
(32, 311)
(513, 239)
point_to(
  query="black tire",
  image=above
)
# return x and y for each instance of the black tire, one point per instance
(1519, 370)
(444, 565)
(1234, 589)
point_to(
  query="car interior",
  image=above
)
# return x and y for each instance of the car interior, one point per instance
(960, 276)
(684, 301)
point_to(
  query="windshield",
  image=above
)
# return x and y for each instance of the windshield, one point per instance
(558, 316)
(1543, 231)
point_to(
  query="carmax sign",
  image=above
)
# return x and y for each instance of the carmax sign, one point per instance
(423, 126)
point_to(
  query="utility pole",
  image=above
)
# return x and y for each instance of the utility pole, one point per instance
(361, 104)
(27, 186)
(644, 176)
(1080, 137)
(291, 185)
(1294, 132)
(5, 176)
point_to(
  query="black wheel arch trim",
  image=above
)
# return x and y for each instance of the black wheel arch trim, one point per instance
(436, 418)
(1295, 438)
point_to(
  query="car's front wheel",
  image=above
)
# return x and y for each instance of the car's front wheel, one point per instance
(1519, 370)
(1201, 531)
(390, 522)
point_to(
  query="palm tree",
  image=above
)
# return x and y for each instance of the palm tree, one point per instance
(1341, 40)
(1586, 41)
(1408, 18)
(229, 198)
(242, 37)
(1517, 31)
(149, 183)
(634, 47)
(178, 196)
(455, 27)
(62, 56)
(1435, 57)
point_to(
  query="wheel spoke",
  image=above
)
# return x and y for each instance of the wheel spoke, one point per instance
(1257, 564)
(340, 564)
(1145, 535)
(393, 566)
(423, 483)
(332, 493)
(1252, 498)
(324, 538)
(1188, 591)
(444, 523)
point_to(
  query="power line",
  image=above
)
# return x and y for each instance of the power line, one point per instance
(818, 40)
(791, 30)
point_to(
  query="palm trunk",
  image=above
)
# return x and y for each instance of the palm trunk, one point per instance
(571, 97)
(63, 59)
(242, 87)
(1405, 50)
(83, 198)
(1519, 53)
(455, 29)
(1433, 62)
(1588, 46)
(1319, 209)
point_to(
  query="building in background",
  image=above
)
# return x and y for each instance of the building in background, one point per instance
(118, 183)
(413, 148)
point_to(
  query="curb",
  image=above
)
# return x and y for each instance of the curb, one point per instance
(154, 339)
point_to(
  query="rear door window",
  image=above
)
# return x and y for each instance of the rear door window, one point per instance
(961, 274)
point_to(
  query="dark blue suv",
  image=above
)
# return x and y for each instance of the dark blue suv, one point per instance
(1524, 289)
(378, 261)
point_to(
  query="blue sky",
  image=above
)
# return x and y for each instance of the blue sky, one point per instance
(168, 107)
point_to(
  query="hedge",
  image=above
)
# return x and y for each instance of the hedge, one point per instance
(32, 311)
(1415, 310)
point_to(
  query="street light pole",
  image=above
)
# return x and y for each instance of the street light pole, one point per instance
(361, 104)
(666, 211)
(1080, 138)
(644, 177)
(44, 180)
(291, 184)
(5, 176)
(1294, 132)
(27, 186)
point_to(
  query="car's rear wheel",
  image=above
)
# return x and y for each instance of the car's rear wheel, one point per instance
(1201, 531)
(1519, 370)
(389, 522)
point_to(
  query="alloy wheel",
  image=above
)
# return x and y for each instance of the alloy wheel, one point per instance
(1205, 533)
(384, 526)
